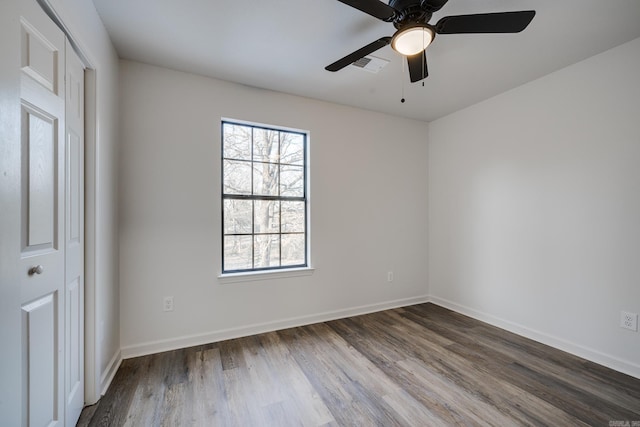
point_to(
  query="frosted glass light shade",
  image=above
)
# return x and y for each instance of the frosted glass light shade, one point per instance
(413, 40)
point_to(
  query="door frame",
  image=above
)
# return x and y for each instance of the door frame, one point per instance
(10, 289)
(92, 378)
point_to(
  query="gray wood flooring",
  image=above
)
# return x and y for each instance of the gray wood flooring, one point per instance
(421, 365)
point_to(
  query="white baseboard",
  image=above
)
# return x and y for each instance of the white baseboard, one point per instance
(590, 354)
(110, 372)
(152, 347)
(243, 331)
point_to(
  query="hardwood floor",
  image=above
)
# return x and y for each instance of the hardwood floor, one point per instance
(414, 366)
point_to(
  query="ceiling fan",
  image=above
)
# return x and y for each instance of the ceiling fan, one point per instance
(414, 33)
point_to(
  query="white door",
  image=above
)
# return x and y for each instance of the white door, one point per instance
(74, 238)
(42, 261)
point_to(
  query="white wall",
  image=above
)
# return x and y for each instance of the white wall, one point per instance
(534, 208)
(101, 176)
(368, 210)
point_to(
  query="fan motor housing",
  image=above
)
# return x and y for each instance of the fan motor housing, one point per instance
(403, 4)
(409, 12)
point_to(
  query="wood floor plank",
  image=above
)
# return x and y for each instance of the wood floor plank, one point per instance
(206, 392)
(113, 408)
(328, 364)
(145, 404)
(420, 365)
(410, 411)
(280, 381)
(173, 411)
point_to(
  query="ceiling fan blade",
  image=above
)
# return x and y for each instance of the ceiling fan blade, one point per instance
(374, 8)
(418, 66)
(433, 5)
(501, 22)
(360, 53)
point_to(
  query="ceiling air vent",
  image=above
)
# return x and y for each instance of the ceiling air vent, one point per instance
(372, 64)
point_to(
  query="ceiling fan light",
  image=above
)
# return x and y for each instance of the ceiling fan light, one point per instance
(412, 40)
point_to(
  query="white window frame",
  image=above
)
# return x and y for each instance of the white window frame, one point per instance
(264, 273)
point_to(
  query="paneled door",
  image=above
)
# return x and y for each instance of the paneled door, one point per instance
(74, 237)
(42, 252)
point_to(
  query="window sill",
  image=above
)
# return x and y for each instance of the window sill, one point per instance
(264, 275)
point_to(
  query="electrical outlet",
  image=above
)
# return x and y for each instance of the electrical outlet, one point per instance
(167, 304)
(390, 276)
(629, 321)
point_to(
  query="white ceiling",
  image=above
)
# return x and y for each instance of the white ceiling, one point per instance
(284, 45)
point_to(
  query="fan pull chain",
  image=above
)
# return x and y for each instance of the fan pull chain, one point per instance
(424, 56)
(403, 78)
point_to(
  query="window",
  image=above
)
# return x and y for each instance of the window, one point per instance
(264, 198)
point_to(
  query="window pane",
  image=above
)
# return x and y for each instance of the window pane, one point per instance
(292, 181)
(237, 216)
(237, 142)
(266, 145)
(265, 179)
(237, 177)
(237, 252)
(293, 249)
(267, 216)
(267, 251)
(292, 148)
(293, 217)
